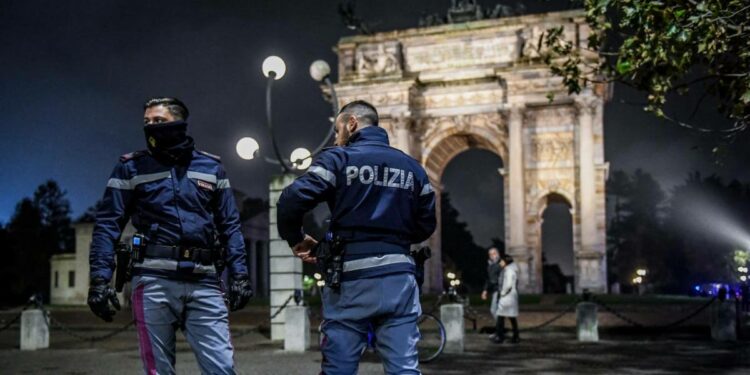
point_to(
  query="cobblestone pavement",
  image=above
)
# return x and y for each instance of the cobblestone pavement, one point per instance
(549, 352)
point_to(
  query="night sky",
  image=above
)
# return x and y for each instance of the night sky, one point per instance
(74, 75)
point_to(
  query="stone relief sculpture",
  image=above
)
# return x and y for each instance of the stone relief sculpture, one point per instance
(381, 61)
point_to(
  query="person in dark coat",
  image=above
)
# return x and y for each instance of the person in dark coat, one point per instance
(493, 274)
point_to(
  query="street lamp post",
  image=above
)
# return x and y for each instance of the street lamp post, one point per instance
(285, 268)
(274, 69)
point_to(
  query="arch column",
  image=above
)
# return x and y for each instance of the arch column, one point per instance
(516, 238)
(590, 260)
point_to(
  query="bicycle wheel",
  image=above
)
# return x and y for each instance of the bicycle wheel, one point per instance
(432, 342)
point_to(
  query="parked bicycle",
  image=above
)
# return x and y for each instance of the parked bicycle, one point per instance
(431, 343)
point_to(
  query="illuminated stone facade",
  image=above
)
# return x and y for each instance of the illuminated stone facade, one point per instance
(444, 89)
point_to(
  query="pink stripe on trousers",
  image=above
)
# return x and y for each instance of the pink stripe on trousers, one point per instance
(147, 352)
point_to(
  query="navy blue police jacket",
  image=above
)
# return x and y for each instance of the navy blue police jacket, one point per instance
(380, 199)
(175, 205)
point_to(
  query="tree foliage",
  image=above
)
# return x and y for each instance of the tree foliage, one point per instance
(460, 253)
(663, 48)
(39, 228)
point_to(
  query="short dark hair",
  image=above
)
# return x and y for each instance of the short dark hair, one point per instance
(175, 106)
(364, 111)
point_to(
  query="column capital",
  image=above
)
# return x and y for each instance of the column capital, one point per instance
(588, 104)
(402, 121)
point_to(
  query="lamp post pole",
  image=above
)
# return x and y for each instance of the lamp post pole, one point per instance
(285, 268)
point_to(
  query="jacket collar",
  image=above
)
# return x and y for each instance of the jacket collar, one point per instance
(370, 134)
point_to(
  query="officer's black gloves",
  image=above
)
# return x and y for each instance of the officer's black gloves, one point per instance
(101, 294)
(240, 292)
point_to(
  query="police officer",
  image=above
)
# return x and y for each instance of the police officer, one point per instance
(381, 201)
(178, 198)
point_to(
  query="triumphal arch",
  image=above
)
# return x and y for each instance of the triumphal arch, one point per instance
(443, 89)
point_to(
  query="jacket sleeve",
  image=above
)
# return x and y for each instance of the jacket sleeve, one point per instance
(227, 220)
(425, 216)
(318, 184)
(111, 217)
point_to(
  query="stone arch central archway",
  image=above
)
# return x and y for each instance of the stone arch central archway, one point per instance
(446, 138)
(446, 90)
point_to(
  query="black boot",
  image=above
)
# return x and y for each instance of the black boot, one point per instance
(499, 330)
(514, 324)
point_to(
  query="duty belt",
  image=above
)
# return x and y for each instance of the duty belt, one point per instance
(180, 253)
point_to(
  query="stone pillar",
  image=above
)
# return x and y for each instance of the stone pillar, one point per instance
(433, 278)
(402, 133)
(296, 329)
(452, 316)
(724, 321)
(516, 200)
(587, 322)
(286, 269)
(590, 261)
(34, 330)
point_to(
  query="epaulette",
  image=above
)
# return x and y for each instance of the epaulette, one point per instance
(210, 155)
(133, 155)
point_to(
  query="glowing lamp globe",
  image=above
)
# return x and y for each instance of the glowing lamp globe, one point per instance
(319, 70)
(301, 158)
(275, 65)
(247, 148)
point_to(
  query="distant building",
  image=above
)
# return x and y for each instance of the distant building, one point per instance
(69, 278)
(69, 272)
(255, 232)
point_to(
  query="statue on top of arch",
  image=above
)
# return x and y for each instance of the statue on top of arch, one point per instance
(469, 10)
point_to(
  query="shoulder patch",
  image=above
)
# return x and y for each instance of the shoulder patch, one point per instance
(210, 155)
(133, 155)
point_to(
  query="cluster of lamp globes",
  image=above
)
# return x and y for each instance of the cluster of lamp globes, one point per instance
(641, 274)
(454, 282)
(320, 282)
(273, 66)
(743, 270)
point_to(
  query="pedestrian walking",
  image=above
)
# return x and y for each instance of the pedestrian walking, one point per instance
(507, 306)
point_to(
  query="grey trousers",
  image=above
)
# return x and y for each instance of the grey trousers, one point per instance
(389, 305)
(161, 306)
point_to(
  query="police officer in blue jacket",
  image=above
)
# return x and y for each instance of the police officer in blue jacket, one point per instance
(381, 202)
(179, 199)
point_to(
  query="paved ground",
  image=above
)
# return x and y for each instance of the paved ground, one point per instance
(549, 352)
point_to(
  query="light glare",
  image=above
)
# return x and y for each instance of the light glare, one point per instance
(247, 148)
(301, 158)
(274, 64)
(319, 70)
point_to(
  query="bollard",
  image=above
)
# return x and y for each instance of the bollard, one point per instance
(296, 329)
(452, 315)
(723, 321)
(34, 330)
(587, 322)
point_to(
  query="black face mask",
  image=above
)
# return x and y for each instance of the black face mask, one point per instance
(169, 141)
